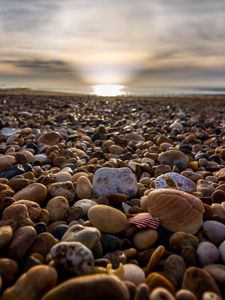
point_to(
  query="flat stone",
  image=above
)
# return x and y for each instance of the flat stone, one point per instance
(36, 192)
(62, 177)
(94, 287)
(107, 219)
(108, 181)
(214, 230)
(220, 174)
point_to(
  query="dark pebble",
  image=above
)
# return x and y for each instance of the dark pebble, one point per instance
(110, 243)
(40, 227)
(15, 170)
(59, 231)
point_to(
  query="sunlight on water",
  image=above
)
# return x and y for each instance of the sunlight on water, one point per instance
(108, 90)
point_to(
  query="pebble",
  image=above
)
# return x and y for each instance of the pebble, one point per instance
(175, 267)
(6, 162)
(173, 158)
(217, 271)
(207, 253)
(156, 279)
(145, 239)
(84, 188)
(65, 189)
(88, 236)
(95, 287)
(210, 296)
(161, 293)
(32, 285)
(6, 234)
(184, 294)
(57, 208)
(199, 281)
(108, 181)
(180, 240)
(176, 210)
(175, 180)
(49, 138)
(215, 231)
(85, 205)
(8, 270)
(43, 243)
(62, 177)
(16, 216)
(73, 258)
(33, 208)
(222, 251)
(36, 192)
(107, 219)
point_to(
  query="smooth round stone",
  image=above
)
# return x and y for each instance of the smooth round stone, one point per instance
(214, 230)
(88, 236)
(107, 219)
(73, 257)
(156, 279)
(110, 243)
(24, 156)
(17, 214)
(32, 285)
(41, 157)
(175, 267)
(22, 240)
(175, 180)
(49, 138)
(161, 293)
(211, 296)
(6, 161)
(145, 239)
(84, 204)
(65, 189)
(176, 210)
(108, 181)
(33, 208)
(18, 183)
(207, 253)
(222, 251)
(6, 234)
(5, 191)
(94, 287)
(179, 240)
(36, 192)
(43, 243)
(84, 188)
(204, 187)
(173, 157)
(217, 271)
(218, 196)
(184, 294)
(8, 270)
(199, 281)
(59, 231)
(62, 177)
(220, 174)
(40, 227)
(57, 208)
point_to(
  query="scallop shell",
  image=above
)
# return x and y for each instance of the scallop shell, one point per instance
(144, 220)
(176, 210)
(175, 180)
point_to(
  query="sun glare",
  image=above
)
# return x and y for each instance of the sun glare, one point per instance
(108, 90)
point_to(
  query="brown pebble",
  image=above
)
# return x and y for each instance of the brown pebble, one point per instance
(185, 295)
(36, 192)
(6, 234)
(156, 279)
(8, 270)
(43, 243)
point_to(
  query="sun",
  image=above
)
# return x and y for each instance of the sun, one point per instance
(108, 90)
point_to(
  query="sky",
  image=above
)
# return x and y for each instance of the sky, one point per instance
(75, 44)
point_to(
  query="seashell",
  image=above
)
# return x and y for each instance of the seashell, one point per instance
(175, 180)
(144, 220)
(176, 210)
(128, 272)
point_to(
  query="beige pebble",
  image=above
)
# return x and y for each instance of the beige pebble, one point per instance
(145, 239)
(84, 188)
(57, 208)
(36, 192)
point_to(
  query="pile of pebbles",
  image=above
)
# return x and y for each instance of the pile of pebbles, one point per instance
(75, 171)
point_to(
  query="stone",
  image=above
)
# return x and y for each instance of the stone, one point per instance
(5, 191)
(199, 281)
(188, 253)
(24, 156)
(175, 180)
(8, 270)
(141, 292)
(65, 189)
(18, 183)
(88, 236)
(85, 204)
(116, 258)
(110, 243)
(6, 162)
(32, 285)
(156, 279)
(33, 208)
(36, 192)
(50, 138)
(15, 170)
(94, 287)
(62, 177)
(205, 187)
(108, 181)
(173, 158)
(207, 253)
(215, 231)
(161, 293)
(84, 188)
(210, 296)
(59, 231)
(217, 271)
(222, 250)
(218, 196)
(107, 219)
(145, 239)
(220, 174)
(57, 208)
(43, 243)
(6, 234)
(184, 294)
(73, 258)
(176, 210)
(16, 216)
(22, 240)
(175, 267)
(180, 239)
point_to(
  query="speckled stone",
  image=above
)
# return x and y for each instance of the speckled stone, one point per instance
(179, 240)
(207, 253)
(107, 219)
(94, 287)
(145, 239)
(88, 236)
(6, 234)
(65, 189)
(215, 231)
(36, 192)
(109, 181)
(73, 257)
(32, 285)
(57, 208)
(175, 180)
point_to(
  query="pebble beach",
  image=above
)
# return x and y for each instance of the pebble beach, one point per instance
(119, 198)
